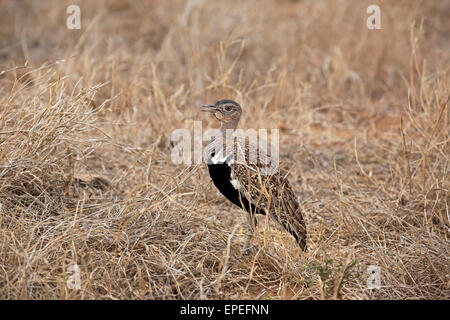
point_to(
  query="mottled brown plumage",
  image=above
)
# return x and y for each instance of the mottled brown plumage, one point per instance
(249, 177)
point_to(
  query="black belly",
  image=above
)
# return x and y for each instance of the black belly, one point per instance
(220, 174)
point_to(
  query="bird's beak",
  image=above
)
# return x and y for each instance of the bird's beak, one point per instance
(208, 108)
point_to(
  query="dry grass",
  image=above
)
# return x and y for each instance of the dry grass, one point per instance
(85, 170)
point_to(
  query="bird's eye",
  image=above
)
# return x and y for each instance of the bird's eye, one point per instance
(227, 108)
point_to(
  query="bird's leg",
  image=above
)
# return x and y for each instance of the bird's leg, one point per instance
(251, 225)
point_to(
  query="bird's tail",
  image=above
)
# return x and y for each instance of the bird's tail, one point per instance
(284, 207)
(297, 229)
(291, 217)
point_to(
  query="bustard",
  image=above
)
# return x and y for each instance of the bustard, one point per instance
(243, 182)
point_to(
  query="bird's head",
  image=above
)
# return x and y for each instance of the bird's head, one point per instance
(226, 111)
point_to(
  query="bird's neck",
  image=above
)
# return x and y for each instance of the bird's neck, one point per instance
(220, 138)
(230, 125)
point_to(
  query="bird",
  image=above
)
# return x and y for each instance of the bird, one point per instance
(248, 184)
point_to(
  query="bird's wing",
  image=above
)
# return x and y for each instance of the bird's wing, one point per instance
(288, 212)
(274, 195)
